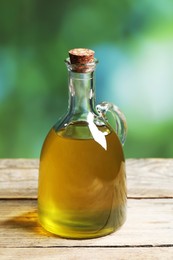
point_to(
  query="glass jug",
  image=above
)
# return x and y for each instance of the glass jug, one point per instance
(82, 180)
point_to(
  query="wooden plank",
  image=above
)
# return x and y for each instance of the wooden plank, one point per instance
(150, 178)
(18, 183)
(18, 178)
(149, 223)
(20, 163)
(145, 178)
(87, 253)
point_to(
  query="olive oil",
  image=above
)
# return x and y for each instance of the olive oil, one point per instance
(82, 181)
(82, 185)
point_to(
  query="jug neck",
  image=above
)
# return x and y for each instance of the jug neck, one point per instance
(81, 90)
(81, 93)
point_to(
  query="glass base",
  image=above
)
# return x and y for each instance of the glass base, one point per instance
(81, 230)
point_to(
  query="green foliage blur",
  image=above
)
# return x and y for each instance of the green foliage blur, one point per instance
(133, 41)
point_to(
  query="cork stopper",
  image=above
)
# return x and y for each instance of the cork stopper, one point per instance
(82, 59)
(81, 55)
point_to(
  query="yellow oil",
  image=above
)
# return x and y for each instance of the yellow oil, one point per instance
(82, 184)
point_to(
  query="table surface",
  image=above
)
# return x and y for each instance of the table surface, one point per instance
(147, 233)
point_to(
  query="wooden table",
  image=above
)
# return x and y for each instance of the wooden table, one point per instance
(147, 233)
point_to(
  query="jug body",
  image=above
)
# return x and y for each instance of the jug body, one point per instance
(82, 179)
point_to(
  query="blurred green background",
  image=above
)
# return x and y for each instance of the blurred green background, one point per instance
(133, 41)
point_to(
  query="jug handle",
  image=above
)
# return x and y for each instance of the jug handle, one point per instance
(112, 116)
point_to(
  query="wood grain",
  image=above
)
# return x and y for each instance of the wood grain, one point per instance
(147, 233)
(88, 253)
(150, 178)
(149, 223)
(145, 178)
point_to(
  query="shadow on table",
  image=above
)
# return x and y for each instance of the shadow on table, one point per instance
(27, 221)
